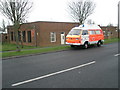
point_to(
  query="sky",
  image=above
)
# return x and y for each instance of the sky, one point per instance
(106, 11)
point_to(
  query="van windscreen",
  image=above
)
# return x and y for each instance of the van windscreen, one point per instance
(74, 32)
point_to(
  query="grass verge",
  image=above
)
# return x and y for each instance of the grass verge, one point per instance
(41, 50)
(34, 51)
(9, 47)
(111, 40)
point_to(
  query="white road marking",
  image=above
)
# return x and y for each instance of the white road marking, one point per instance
(45, 76)
(116, 55)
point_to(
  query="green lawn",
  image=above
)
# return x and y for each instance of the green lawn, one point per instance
(111, 40)
(0, 47)
(7, 47)
(34, 51)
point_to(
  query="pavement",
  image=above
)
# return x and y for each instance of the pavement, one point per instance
(95, 67)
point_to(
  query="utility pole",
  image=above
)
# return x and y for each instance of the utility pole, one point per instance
(118, 28)
(118, 19)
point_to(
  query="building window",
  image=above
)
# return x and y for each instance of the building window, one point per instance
(108, 33)
(62, 32)
(6, 37)
(24, 36)
(29, 36)
(53, 36)
(111, 33)
(104, 33)
(11, 36)
(14, 37)
(19, 35)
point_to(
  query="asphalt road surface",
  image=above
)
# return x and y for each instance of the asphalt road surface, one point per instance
(95, 67)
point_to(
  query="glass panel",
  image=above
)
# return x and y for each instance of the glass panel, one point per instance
(74, 32)
(29, 36)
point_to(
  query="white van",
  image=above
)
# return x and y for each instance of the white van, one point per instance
(85, 35)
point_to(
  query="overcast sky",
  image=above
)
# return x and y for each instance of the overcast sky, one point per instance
(106, 11)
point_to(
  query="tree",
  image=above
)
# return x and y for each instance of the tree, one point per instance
(1, 29)
(3, 26)
(89, 21)
(16, 11)
(110, 24)
(80, 10)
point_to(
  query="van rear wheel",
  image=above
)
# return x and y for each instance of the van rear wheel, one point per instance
(99, 43)
(72, 46)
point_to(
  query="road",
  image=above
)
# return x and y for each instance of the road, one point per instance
(95, 67)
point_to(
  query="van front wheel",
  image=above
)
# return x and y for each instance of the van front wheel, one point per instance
(85, 46)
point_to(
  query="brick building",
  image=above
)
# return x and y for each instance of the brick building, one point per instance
(42, 33)
(49, 33)
(4, 37)
(110, 31)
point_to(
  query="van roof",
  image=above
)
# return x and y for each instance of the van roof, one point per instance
(87, 26)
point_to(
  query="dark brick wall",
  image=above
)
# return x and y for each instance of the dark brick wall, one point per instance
(41, 30)
(46, 28)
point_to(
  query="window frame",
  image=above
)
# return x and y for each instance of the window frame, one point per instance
(12, 36)
(24, 36)
(53, 36)
(29, 40)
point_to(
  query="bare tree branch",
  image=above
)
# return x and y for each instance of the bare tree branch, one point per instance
(16, 11)
(80, 10)
(3, 26)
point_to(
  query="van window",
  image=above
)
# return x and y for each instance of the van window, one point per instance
(98, 32)
(74, 32)
(92, 32)
(84, 32)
